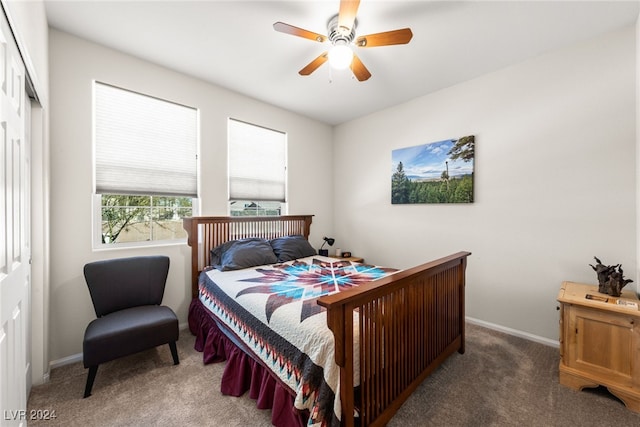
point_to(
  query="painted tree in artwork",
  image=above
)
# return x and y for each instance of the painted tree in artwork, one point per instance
(463, 149)
(399, 186)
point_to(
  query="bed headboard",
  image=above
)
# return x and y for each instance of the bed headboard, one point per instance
(206, 232)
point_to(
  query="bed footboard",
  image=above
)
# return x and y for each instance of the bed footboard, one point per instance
(408, 323)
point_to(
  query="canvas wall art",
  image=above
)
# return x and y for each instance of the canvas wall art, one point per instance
(437, 172)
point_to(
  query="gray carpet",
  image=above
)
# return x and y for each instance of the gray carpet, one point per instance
(501, 380)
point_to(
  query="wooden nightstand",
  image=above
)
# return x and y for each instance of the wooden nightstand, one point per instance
(350, 258)
(600, 341)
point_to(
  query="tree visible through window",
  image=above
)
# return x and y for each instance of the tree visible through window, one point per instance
(127, 218)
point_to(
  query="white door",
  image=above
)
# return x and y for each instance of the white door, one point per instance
(15, 238)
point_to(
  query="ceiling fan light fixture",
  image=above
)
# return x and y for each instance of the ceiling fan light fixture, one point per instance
(341, 35)
(340, 56)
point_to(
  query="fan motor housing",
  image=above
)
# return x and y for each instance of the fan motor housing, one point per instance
(340, 35)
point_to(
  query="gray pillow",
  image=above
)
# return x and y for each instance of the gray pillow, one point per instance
(291, 247)
(244, 253)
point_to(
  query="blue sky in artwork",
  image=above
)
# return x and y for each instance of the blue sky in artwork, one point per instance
(427, 161)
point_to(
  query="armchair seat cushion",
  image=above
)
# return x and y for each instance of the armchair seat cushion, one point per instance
(128, 331)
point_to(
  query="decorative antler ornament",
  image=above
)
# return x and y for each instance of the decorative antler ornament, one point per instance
(610, 281)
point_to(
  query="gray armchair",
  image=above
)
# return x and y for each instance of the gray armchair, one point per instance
(126, 295)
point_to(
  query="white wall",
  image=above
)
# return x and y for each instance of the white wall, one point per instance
(74, 64)
(555, 180)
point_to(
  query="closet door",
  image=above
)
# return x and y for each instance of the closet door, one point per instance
(15, 250)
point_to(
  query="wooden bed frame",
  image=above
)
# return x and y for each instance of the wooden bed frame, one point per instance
(409, 322)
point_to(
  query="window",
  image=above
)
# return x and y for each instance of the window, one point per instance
(130, 218)
(145, 167)
(257, 170)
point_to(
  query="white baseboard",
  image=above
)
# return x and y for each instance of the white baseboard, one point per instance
(74, 358)
(514, 332)
(65, 361)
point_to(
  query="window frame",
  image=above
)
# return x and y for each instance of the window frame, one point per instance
(96, 207)
(284, 205)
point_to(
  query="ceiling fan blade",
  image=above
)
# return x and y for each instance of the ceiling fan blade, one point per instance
(313, 65)
(295, 31)
(347, 14)
(387, 38)
(359, 70)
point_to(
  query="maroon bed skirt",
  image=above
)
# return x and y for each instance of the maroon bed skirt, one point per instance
(242, 372)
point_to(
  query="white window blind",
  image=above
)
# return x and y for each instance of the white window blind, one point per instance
(144, 145)
(257, 163)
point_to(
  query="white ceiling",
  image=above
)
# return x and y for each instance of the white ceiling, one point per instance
(233, 43)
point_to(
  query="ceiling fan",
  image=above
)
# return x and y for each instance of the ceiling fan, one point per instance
(341, 33)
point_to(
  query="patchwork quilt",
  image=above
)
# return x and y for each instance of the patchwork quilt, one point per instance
(273, 310)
